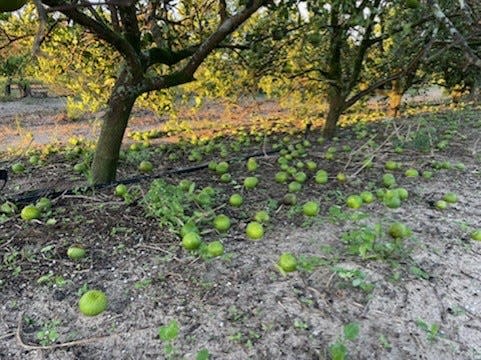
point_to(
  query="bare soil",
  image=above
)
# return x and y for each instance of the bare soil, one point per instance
(421, 300)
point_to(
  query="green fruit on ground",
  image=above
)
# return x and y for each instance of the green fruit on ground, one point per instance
(250, 182)
(398, 230)
(427, 174)
(120, 190)
(222, 167)
(321, 177)
(341, 177)
(236, 200)
(191, 241)
(289, 199)
(34, 159)
(185, 184)
(329, 156)
(367, 197)
(76, 252)
(300, 165)
(460, 166)
(43, 204)
(367, 163)
(380, 193)
(252, 164)
(476, 235)
(441, 204)
(93, 302)
(254, 230)
(310, 208)
(18, 168)
(188, 228)
(215, 248)
(262, 216)
(388, 180)
(411, 173)
(300, 177)
(311, 165)
(281, 177)
(287, 262)
(221, 223)
(212, 165)
(134, 147)
(11, 5)
(146, 166)
(294, 187)
(30, 212)
(354, 201)
(392, 202)
(450, 197)
(402, 193)
(391, 165)
(80, 167)
(226, 178)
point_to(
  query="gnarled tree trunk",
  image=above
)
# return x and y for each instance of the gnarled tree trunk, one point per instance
(115, 122)
(337, 105)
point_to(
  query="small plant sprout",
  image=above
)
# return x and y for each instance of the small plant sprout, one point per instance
(168, 334)
(338, 350)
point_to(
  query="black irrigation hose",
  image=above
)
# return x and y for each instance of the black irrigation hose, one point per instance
(33, 195)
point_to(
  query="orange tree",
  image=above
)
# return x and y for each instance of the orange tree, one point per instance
(160, 44)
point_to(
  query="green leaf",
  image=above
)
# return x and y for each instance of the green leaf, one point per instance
(170, 331)
(338, 351)
(351, 331)
(203, 355)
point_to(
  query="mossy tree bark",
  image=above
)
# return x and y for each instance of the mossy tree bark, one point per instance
(337, 104)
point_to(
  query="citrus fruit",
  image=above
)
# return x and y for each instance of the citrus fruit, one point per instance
(354, 201)
(8, 208)
(254, 230)
(146, 166)
(221, 223)
(294, 187)
(236, 200)
(411, 173)
(120, 190)
(287, 262)
(367, 197)
(402, 193)
(398, 230)
(252, 164)
(300, 177)
(391, 165)
(450, 197)
(30, 212)
(222, 167)
(76, 252)
(310, 208)
(18, 168)
(321, 177)
(341, 177)
(80, 167)
(476, 235)
(289, 199)
(43, 204)
(225, 178)
(191, 241)
(93, 302)
(388, 180)
(311, 165)
(215, 248)
(392, 202)
(281, 177)
(250, 182)
(441, 204)
(262, 216)
(427, 174)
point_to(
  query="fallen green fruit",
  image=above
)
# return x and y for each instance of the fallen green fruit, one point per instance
(30, 212)
(221, 223)
(398, 230)
(450, 197)
(215, 248)
(310, 208)
(287, 262)
(93, 302)
(254, 230)
(76, 252)
(476, 235)
(191, 241)
(354, 201)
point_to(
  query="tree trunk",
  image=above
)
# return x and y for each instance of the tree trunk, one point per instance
(336, 103)
(121, 102)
